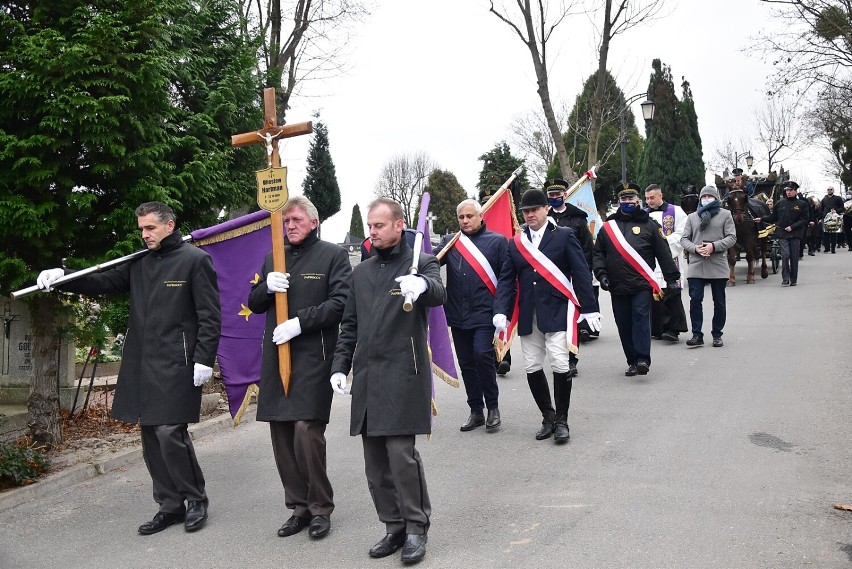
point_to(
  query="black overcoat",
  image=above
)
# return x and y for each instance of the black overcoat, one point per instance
(320, 276)
(387, 348)
(175, 322)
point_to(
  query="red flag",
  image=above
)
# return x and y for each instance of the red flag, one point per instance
(499, 216)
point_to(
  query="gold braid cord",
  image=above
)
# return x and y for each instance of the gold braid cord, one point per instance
(252, 390)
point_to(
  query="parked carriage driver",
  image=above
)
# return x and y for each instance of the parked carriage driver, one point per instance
(317, 286)
(169, 350)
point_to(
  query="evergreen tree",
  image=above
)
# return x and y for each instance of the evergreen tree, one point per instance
(672, 154)
(320, 183)
(445, 193)
(356, 224)
(609, 141)
(498, 165)
(107, 105)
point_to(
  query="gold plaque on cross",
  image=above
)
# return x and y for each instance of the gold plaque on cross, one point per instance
(272, 188)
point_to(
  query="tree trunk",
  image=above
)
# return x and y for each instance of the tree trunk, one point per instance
(43, 402)
(597, 101)
(555, 132)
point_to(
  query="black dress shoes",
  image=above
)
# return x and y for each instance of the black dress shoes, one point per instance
(696, 340)
(631, 371)
(492, 423)
(320, 526)
(503, 367)
(585, 336)
(161, 521)
(196, 515)
(572, 370)
(718, 343)
(388, 545)
(669, 336)
(642, 367)
(414, 549)
(293, 526)
(475, 420)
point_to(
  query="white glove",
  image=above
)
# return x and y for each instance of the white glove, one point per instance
(277, 282)
(411, 284)
(286, 331)
(201, 374)
(47, 278)
(338, 383)
(593, 319)
(500, 324)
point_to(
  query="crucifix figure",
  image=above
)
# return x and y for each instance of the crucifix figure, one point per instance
(430, 218)
(270, 132)
(8, 318)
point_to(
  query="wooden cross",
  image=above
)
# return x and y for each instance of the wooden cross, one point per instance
(268, 135)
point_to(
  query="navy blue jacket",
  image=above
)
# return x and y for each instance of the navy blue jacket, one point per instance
(539, 297)
(469, 302)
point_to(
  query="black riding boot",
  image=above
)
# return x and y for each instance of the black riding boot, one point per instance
(562, 396)
(541, 394)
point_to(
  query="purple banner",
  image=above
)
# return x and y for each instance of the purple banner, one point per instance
(237, 248)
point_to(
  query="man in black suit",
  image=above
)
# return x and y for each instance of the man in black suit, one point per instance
(555, 287)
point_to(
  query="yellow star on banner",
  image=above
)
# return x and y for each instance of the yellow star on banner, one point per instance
(256, 279)
(245, 311)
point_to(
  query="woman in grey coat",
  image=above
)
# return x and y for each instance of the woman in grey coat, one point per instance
(708, 234)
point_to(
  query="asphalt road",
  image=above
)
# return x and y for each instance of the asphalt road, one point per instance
(720, 457)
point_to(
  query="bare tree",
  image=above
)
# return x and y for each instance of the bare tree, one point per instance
(618, 17)
(403, 179)
(531, 137)
(778, 128)
(814, 44)
(537, 24)
(729, 154)
(300, 40)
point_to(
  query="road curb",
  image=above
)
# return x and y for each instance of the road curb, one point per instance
(105, 463)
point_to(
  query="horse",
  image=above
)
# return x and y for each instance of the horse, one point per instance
(689, 199)
(741, 208)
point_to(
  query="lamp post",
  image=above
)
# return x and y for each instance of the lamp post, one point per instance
(748, 158)
(648, 108)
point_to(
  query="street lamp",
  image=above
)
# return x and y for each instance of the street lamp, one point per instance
(749, 159)
(648, 108)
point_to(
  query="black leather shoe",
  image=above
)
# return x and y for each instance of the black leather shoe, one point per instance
(493, 421)
(718, 343)
(293, 526)
(320, 526)
(161, 521)
(503, 368)
(572, 370)
(642, 367)
(415, 548)
(631, 371)
(475, 420)
(670, 336)
(585, 336)
(388, 545)
(196, 515)
(561, 434)
(696, 340)
(547, 427)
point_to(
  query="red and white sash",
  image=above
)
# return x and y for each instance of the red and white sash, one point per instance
(477, 260)
(630, 255)
(557, 279)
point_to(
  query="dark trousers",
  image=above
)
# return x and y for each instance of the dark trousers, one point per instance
(397, 483)
(299, 451)
(789, 260)
(829, 241)
(696, 310)
(814, 238)
(170, 458)
(475, 353)
(667, 314)
(847, 230)
(633, 318)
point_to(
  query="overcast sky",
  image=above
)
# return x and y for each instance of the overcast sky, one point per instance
(446, 77)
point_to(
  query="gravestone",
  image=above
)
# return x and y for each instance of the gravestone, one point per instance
(16, 365)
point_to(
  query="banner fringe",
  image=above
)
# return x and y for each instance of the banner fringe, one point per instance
(239, 232)
(251, 390)
(448, 379)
